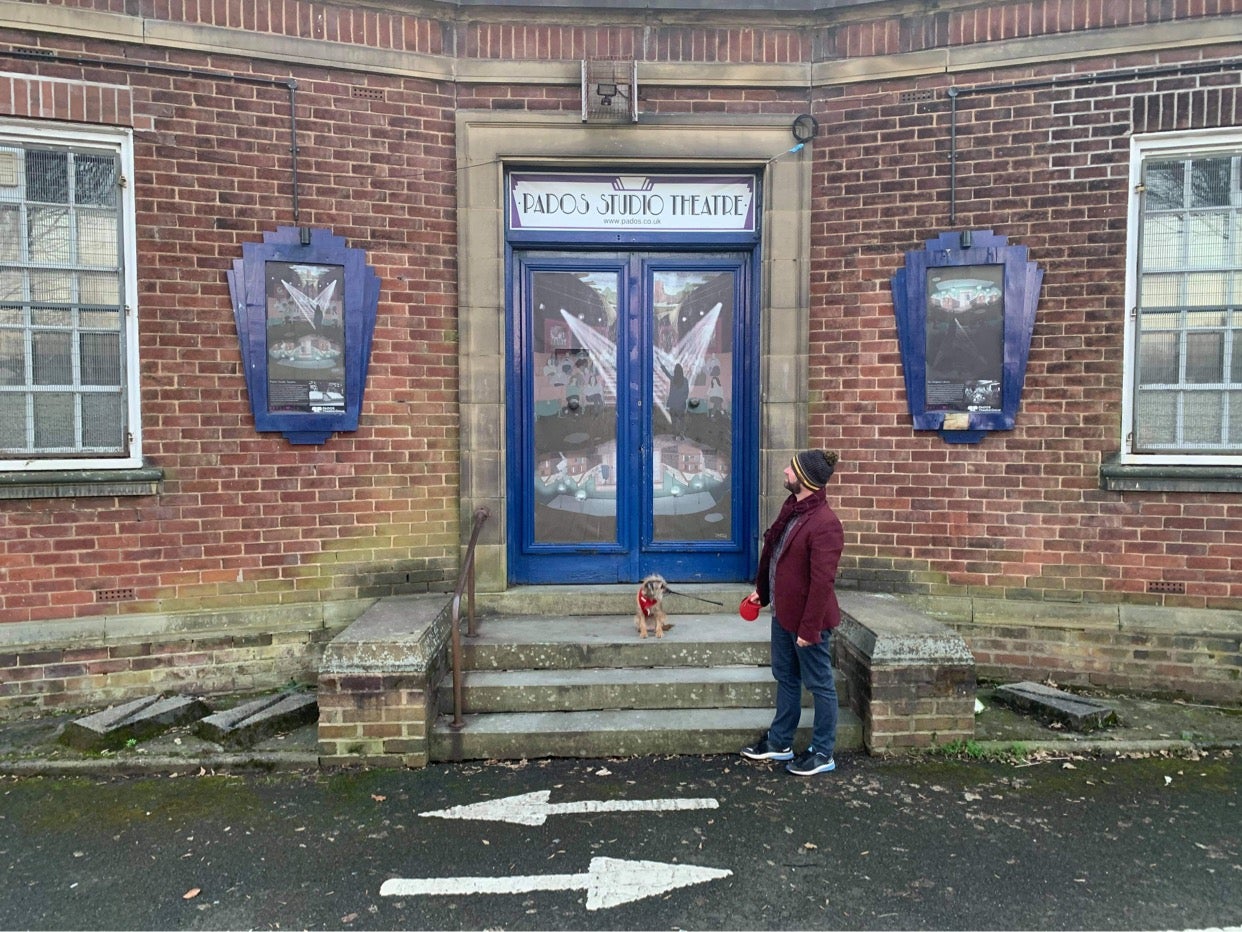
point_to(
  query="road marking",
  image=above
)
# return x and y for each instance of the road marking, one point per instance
(608, 882)
(534, 808)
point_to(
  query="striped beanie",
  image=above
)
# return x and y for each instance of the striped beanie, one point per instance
(814, 468)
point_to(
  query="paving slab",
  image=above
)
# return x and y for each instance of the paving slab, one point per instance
(132, 721)
(1078, 713)
(247, 724)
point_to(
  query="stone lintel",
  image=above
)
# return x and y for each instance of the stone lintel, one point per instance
(249, 723)
(137, 720)
(1078, 713)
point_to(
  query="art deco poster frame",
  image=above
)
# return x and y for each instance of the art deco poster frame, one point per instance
(965, 308)
(305, 308)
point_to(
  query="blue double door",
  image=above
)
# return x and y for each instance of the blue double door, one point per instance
(632, 432)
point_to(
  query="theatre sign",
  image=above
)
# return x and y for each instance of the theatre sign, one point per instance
(547, 202)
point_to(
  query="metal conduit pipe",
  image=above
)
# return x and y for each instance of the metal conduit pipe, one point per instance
(1097, 77)
(124, 64)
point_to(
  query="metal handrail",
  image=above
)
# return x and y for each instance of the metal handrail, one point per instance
(465, 580)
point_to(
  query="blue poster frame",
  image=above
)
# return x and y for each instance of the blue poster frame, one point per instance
(248, 287)
(1022, 280)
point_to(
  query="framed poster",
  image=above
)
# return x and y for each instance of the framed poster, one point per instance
(965, 309)
(305, 337)
(305, 308)
(965, 323)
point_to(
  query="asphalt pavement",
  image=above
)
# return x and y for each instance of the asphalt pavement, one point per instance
(1028, 826)
(1060, 841)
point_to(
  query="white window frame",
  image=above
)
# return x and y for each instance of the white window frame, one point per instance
(1143, 148)
(121, 141)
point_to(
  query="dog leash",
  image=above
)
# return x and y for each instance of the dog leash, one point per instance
(686, 595)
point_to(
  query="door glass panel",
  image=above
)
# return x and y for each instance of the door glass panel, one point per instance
(574, 369)
(691, 450)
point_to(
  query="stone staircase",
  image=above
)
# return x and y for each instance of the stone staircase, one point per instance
(542, 683)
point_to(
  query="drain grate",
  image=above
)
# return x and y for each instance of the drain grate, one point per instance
(114, 595)
(1167, 588)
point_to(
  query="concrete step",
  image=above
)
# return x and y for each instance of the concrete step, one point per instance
(547, 685)
(575, 642)
(612, 688)
(617, 733)
(609, 599)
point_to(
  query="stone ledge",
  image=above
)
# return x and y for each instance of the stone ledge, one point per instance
(80, 483)
(890, 632)
(1116, 476)
(910, 678)
(1151, 619)
(160, 627)
(376, 683)
(393, 636)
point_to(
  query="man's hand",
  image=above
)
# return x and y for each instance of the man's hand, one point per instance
(802, 643)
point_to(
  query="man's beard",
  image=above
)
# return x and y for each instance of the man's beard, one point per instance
(793, 485)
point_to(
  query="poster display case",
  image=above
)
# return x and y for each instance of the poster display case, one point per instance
(965, 308)
(305, 307)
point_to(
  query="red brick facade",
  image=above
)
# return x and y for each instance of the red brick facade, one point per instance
(1037, 151)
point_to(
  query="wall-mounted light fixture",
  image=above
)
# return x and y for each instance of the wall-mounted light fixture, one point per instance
(606, 93)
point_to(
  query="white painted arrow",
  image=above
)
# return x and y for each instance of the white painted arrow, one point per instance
(608, 882)
(534, 808)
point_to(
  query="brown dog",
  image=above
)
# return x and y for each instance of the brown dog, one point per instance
(650, 601)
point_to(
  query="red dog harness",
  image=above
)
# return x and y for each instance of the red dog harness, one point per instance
(644, 604)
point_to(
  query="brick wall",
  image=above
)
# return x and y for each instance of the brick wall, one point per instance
(1176, 660)
(375, 719)
(244, 518)
(1042, 158)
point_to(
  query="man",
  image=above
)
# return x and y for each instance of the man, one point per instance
(797, 576)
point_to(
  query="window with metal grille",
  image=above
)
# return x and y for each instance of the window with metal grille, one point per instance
(1187, 361)
(65, 334)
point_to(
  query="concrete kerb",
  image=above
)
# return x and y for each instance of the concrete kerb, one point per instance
(155, 765)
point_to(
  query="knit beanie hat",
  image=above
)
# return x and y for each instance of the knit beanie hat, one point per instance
(814, 468)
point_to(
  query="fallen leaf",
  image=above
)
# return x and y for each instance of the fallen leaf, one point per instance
(1168, 780)
(1068, 766)
(810, 846)
(378, 798)
(603, 772)
(190, 894)
(350, 918)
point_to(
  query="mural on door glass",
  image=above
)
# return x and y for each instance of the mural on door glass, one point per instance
(574, 342)
(692, 379)
(686, 443)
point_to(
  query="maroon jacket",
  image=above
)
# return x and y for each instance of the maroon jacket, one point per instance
(806, 574)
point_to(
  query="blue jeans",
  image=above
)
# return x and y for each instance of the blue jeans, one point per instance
(794, 667)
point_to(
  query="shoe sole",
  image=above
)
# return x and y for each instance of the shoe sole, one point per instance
(825, 768)
(771, 755)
